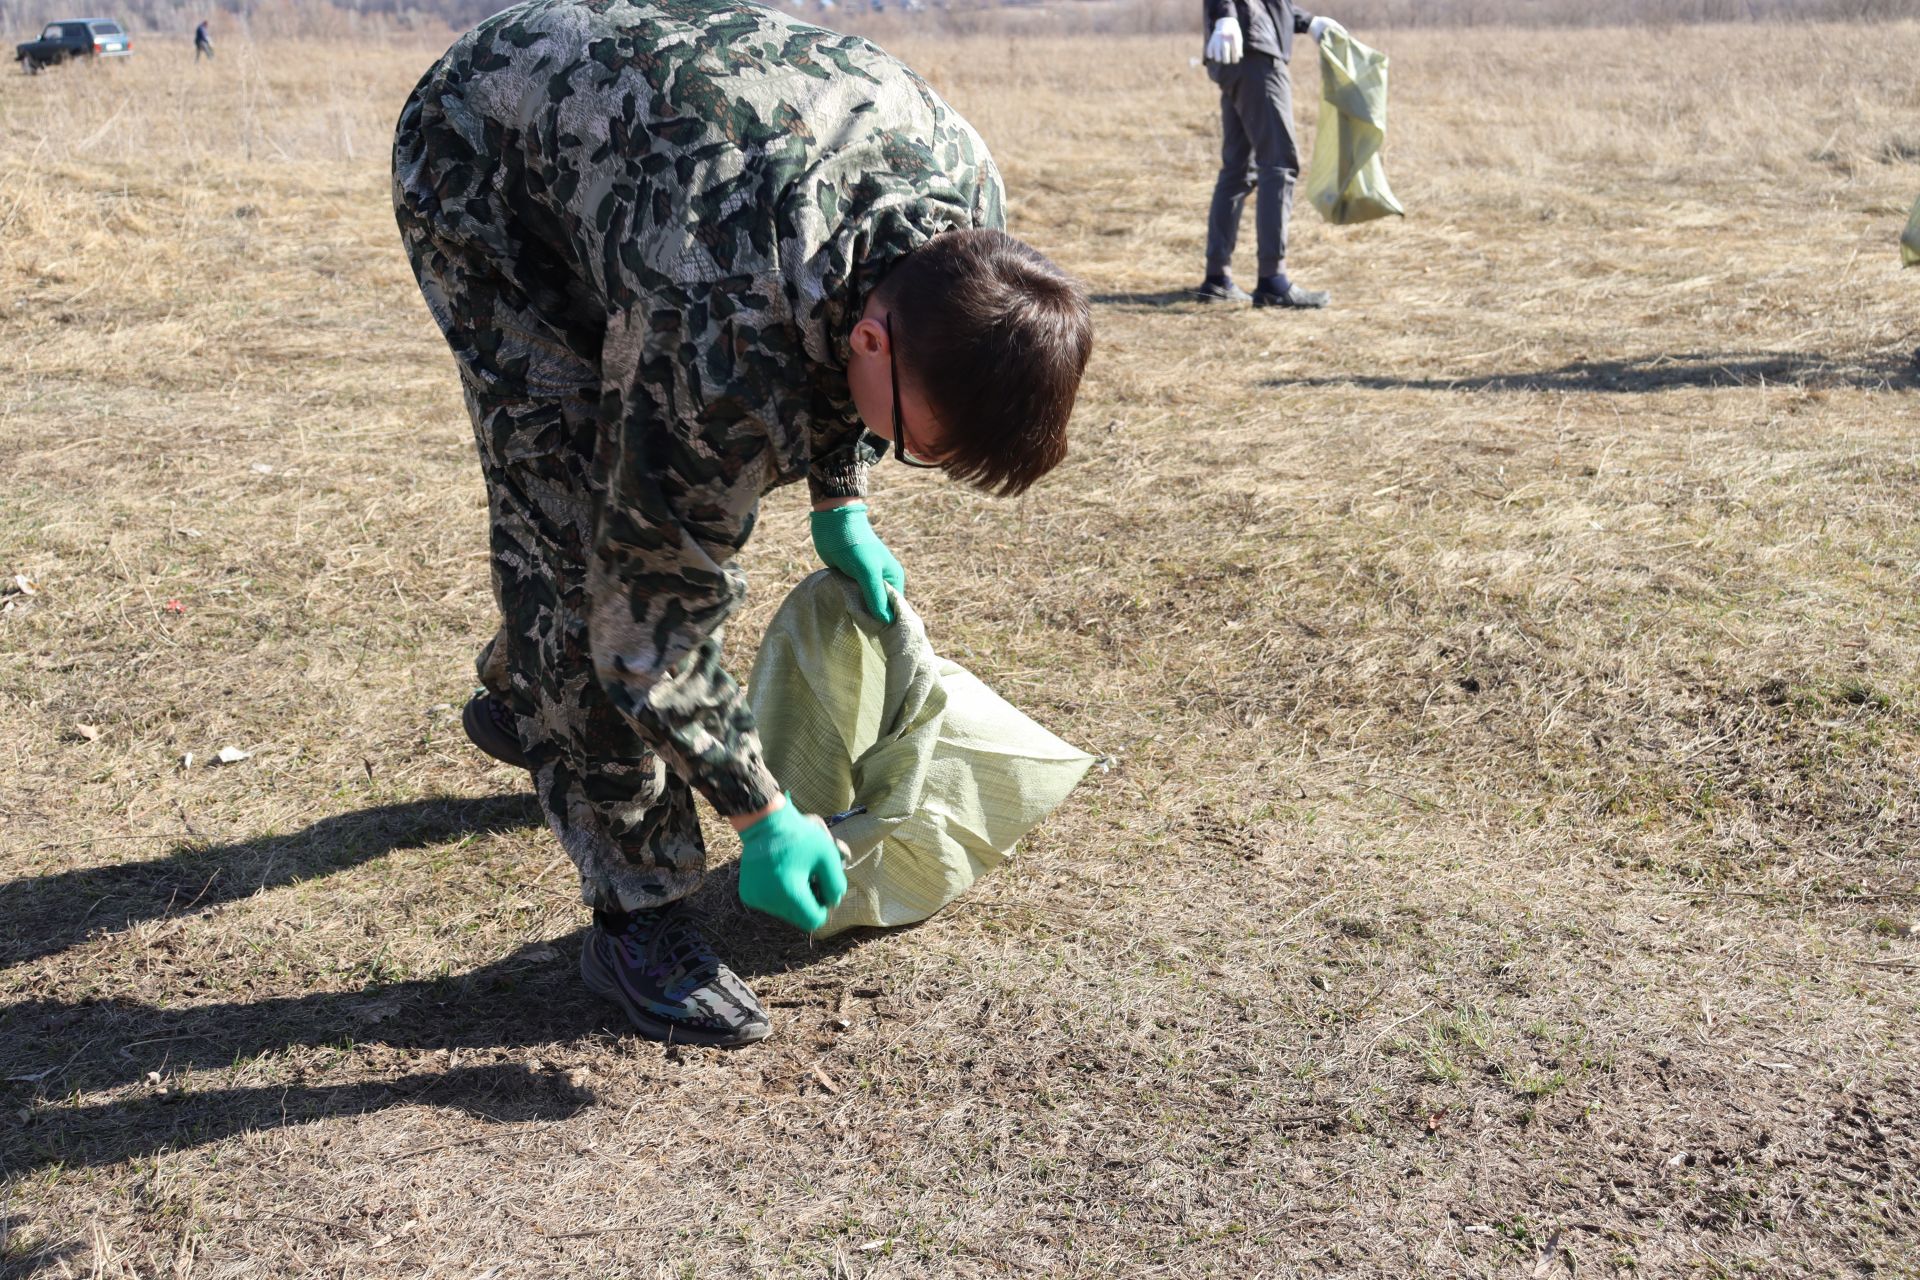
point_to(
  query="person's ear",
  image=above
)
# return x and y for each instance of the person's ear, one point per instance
(870, 338)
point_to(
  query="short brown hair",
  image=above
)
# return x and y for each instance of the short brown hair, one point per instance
(997, 337)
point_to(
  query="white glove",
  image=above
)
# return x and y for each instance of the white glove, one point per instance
(1226, 44)
(1320, 26)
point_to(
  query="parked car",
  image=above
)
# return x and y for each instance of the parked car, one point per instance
(74, 38)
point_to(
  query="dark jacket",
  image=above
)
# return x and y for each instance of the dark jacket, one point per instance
(1268, 25)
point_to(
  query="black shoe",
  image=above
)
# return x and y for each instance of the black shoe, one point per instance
(489, 725)
(1292, 296)
(1220, 289)
(656, 965)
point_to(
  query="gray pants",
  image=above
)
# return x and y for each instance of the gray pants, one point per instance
(1257, 153)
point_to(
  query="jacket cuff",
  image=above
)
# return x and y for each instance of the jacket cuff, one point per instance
(842, 473)
(743, 784)
(840, 482)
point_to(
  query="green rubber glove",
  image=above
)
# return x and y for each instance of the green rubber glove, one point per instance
(790, 867)
(847, 542)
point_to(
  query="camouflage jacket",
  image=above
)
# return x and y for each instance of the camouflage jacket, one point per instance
(729, 184)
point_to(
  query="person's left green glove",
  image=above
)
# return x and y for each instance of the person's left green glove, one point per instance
(846, 541)
(790, 867)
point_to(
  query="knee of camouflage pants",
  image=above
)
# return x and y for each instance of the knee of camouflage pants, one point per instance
(626, 820)
(628, 823)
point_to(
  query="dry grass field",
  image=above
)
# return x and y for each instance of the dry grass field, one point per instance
(1509, 868)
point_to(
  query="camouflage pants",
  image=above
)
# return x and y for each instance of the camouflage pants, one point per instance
(527, 341)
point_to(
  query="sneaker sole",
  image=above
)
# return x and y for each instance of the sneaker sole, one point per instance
(484, 734)
(601, 982)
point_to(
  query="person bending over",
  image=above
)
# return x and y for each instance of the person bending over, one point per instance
(685, 252)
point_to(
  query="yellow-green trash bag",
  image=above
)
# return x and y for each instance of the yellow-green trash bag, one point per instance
(1910, 239)
(853, 712)
(1346, 181)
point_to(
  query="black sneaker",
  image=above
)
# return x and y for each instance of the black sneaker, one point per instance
(1292, 296)
(656, 965)
(489, 725)
(1220, 289)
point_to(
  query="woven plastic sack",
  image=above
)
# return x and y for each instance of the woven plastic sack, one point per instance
(1346, 181)
(1910, 239)
(853, 712)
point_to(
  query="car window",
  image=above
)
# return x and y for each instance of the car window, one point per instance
(51, 33)
(106, 28)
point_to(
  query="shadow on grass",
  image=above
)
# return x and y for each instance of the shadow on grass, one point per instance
(503, 1093)
(22, 1258)
(1642, 374)
(43, 915)
(1156, 301)
(50, 1050)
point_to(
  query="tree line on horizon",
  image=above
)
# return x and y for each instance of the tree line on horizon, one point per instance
(239, 19)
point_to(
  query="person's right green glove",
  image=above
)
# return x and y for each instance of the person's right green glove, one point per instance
(790, 867)
(845, 539)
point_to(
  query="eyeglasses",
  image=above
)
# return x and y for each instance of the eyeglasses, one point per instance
(900, 450)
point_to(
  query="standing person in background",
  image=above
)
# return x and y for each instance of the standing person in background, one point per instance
(1249, 43)
(202, 42)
